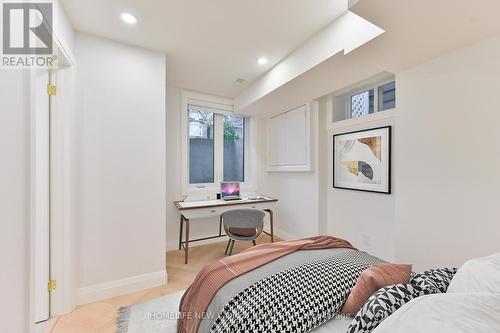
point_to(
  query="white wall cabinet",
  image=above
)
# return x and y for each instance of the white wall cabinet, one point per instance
(289, 140)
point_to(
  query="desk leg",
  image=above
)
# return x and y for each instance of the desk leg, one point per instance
(220, 225)
(180, 231)
(271, 222)
(186, 247)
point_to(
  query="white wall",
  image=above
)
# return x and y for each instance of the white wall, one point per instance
(445, 154)
(365, 219)
(14, 200)
(122, 172)
(173, 164)
(296, 214)
(447, 158)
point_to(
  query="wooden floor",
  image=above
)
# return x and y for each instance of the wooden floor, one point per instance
(100, 317)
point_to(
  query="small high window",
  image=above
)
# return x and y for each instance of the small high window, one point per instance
(364, 100)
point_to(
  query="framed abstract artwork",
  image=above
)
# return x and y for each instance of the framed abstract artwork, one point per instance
(362, 160)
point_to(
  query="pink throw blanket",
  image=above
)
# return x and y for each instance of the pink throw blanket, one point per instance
(212, 277)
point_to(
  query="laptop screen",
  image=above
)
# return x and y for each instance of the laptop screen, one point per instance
(229, 188)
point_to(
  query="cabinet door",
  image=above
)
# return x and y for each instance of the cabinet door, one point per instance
(277, 141)
(289, 140)
(296, 122)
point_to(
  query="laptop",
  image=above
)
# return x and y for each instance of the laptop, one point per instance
(230, 191)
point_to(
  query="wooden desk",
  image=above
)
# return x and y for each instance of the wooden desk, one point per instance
(210, 208)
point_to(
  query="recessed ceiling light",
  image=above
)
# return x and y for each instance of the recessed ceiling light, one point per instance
(262, 61)
(128, 18)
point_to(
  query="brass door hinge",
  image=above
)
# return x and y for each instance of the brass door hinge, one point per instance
(51, 285)
(51, 89)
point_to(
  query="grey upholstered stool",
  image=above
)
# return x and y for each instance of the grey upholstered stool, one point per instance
(242, 224)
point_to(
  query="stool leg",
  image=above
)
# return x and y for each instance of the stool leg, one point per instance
(231, 249)
(254, 243)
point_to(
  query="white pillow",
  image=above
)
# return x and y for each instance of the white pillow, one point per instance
(478, 275)
(446, 313)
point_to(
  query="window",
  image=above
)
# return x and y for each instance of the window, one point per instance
(387, 96)
(362, 104)
(234, 148)
(216, 145)
(375, 98)
(201, 146)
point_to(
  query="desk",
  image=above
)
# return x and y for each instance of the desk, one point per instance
(204, 209)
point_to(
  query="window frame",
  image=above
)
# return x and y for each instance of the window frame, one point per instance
(376, 106)
(220, 106)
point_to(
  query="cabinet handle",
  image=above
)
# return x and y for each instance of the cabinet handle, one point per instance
(253, 206)
(213, 211)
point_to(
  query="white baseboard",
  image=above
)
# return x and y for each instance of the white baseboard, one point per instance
(43, 326)
(284, 235)
(120, 287)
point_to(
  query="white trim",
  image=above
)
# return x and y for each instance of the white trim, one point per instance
(204, 100)
(284, 235)
(374, 117)
(365, 84)
(29, 89)
(43, 326)
(120, 287)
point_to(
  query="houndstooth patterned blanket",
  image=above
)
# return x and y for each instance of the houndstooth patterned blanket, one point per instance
(297, 299)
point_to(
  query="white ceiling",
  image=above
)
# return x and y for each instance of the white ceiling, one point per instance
(416, 31)
(209, 43)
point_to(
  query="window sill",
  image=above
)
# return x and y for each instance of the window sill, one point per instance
(290, 168)
(209, 193)
(387, 114)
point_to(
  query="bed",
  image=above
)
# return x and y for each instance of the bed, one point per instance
(304, 291)
(292, 286)
(441, 299)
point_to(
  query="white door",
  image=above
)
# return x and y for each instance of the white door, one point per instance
(42, 196)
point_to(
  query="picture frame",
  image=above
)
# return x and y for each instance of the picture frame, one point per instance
(362, 160)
